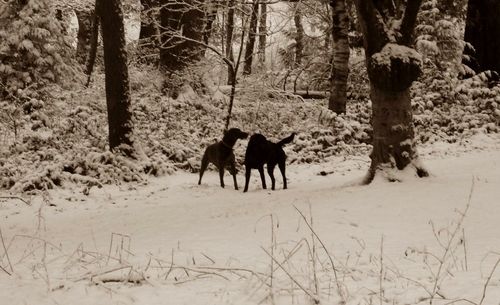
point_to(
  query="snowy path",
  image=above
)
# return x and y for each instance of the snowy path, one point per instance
(230, 227)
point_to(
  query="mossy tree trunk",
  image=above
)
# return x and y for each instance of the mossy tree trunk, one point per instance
(392, 66)
(340, 64)
(116, 75)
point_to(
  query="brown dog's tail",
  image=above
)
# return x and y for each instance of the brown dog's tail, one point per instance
(286, 140)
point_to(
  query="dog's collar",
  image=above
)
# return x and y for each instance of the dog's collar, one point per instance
(225, 144)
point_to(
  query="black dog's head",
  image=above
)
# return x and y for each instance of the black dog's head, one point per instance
(232, 135)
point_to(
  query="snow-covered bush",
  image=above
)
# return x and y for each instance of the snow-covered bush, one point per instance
(34, 49)
(439, 36)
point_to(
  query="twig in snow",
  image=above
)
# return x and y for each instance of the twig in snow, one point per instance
(465, 249)
(381, 273)
(488, 281)
(448, 245)
(6, 253)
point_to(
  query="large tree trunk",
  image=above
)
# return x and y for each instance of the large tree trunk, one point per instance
(117, 81)
(171, 46)
(148, 20)
(229, 39)
(252, 34)
(262, 34)
(340, 63)
(149, 31)
(392, 68)
(482, 31)
(84, 34)
(299, 36)
(178, 20)
(193, 23)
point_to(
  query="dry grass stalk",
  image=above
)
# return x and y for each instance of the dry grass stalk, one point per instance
(314, 298)
(337, 282)
(448, 245)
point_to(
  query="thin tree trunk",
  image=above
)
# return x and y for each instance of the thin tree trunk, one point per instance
(117, 81)
(94, 39)
(340, 64)
(299, 36)
(262, 34)
(252, 33)
(84, 34)
(229, 38)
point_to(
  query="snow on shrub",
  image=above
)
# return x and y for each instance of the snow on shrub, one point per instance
(70, 145)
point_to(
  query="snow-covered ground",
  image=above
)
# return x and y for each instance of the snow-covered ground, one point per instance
(189, 244)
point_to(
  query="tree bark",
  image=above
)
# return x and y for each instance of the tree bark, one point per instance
(340, 64)
(117, 81)
(299, 36)
(252, 33)
(482, 31)
(392, 68)
(84, 34)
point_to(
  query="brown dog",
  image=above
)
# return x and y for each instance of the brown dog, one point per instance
(221, 155)
(260, 151)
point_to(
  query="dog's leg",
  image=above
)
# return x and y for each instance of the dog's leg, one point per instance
(262, 177)
(221, 175)
(270, 171)
(282, 169)
(204, 164)
(247, 177)
(233, 171)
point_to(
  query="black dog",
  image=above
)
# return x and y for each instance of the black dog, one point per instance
(260, 151)
(221, 155)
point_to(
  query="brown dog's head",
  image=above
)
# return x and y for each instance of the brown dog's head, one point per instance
(232, 135)
(235, 133)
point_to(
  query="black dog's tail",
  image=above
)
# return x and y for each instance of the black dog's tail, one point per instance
(286, 140)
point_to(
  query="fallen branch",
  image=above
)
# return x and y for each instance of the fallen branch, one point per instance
(15, 197)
